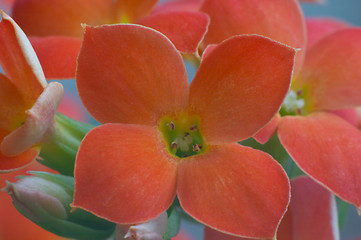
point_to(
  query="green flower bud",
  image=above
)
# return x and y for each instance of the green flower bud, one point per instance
(45, 199)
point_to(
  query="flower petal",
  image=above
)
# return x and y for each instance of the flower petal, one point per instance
(12, 111)
(124, 174)
(234, 189)
(318, 28)
(178, 5)
(59, 17)
(331, 75)
(184, 29)
(281, 20)
(132, 10)
(38, 125)
(263, 135)
(19, 61)
(57, 55)
(312, 212)
(327, 148)
(351, 115)
(8, 164)
(211, 234)
(130, 74)
(240, 86)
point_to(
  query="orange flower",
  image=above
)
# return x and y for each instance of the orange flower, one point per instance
(60, 23)
(164, 138)
(28, 103)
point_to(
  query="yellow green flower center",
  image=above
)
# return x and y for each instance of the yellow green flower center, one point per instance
(182, 135)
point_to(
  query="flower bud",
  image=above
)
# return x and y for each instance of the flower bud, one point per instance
(151, 230)
(45, 199)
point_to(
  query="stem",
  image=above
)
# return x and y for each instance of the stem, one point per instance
(59, 152)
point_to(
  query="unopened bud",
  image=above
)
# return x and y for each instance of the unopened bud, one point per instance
(151, 230)
(45, 199)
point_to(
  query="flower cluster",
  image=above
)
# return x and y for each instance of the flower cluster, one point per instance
(274, 96)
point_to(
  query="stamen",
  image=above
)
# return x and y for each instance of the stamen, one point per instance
(171, 125)
(299, 92)
(173, 145)
(193, 128)
(196, 148)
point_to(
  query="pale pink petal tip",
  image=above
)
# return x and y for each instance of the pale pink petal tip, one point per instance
(38, 124)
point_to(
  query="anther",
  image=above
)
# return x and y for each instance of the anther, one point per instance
(193, 128)
(173, 145)
(299, 92)
(171, 125)
(186, 134)
(196, 148)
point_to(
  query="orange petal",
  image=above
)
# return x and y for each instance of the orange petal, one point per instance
(229, 189)
(59, 17)
(57, 55)
(178, 5)
(263, 135)
(39, 124)
(281, 20)
(130, 74)
(211, 234)
(312, 212)
(19, 61)
(124, 174)
(240, 86)
(327, 148)
(331, 76)
(351, 115)
(184, 29)
(12, 110)
(132, 10)
(318, 28)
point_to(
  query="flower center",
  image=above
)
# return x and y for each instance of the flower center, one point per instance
(182, 135)
(293, 103)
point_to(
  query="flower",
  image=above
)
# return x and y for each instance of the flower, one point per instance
(312, 215)
(60, 23)
(281, 20)
(161, 138)
(29, 103)
(323, 145)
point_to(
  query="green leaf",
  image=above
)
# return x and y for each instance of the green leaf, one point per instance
(173, 225)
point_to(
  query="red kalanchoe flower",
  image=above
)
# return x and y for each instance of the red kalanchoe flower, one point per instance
(28, 102)
(311, 215)
(164, 138)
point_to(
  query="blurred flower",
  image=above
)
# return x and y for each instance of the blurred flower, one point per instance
(169, 138)
(55, 26)
(311, 215)
(27, 115)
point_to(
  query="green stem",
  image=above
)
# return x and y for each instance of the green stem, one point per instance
(60, 151)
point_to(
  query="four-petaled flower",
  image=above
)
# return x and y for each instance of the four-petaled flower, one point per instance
(163, 138)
